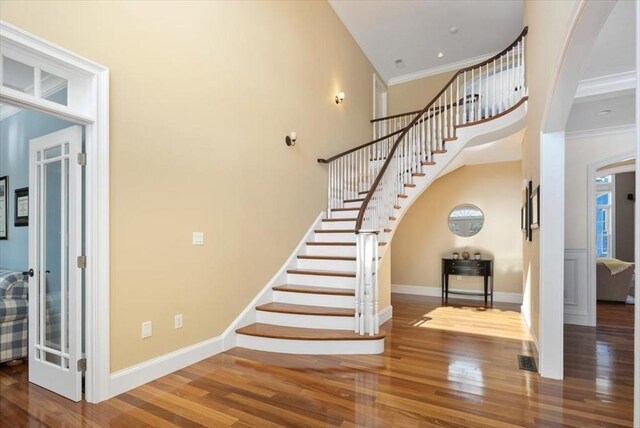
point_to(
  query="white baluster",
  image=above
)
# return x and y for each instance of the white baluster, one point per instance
(464, 97)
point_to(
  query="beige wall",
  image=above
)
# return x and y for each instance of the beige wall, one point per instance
(202, 96)
(423, 237)
(414, 95)
(625, 184)
(548, 23)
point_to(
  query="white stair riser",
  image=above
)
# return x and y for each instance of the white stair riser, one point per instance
(312, 347)
(309, 299)
(344, 214)
(321, 281)
(331, 250)
(327, 225)
(335, 237)
(319, 264)
(352, 204)
(305, 321)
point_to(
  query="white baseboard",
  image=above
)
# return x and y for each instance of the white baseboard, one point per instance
(421, 290)
(134, 376)
(385, 314)
(531, 332)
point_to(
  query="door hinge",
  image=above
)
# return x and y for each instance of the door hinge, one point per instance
(82, 159)
(82, 262)
(82, 365)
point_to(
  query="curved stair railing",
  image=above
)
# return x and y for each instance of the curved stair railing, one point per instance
(377, 172)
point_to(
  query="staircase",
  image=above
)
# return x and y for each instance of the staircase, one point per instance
(325, 298)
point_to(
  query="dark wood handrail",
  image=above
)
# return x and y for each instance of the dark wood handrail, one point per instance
(376, 182)
(441, 109)
(362, 146)
(394, 116)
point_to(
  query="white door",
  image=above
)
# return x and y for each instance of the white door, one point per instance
(55, 242)
(379, 107)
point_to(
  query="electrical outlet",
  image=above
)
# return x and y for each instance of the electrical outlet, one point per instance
(147, 329)
(459, 278)
(178, 321)
(198, 238)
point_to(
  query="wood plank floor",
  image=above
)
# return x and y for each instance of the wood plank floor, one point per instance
(453, 366)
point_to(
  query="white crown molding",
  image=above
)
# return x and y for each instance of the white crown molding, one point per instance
(438, 70)
(612, 130)
(606, 84)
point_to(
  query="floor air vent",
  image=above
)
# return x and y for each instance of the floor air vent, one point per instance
(526, 362)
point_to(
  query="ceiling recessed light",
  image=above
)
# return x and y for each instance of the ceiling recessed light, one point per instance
(399, 63)
(453, 30)
(440, 54)
(603, 112)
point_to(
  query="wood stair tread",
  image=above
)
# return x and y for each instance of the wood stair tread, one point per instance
(345, 209)
(335, 258)
(341, 243)
(409, 185)
(418, 174)
(298, 333)
(288, 308)
(339, 219)
(428, 163)
(354, 200)
(322, 272)
(311, 289)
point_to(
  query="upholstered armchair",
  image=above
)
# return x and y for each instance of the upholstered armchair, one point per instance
(14, 309)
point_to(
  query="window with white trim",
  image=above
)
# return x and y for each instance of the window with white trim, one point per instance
(604, 214)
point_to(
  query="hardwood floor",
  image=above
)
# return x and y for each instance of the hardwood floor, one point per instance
(453, 366)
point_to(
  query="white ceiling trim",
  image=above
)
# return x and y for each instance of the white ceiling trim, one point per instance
(606, 84)
(452, 66)
(612, 130)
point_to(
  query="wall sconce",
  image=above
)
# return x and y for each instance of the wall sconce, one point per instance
(340, 98)
(290, 140)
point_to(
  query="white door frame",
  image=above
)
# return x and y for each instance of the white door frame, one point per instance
(592, 173)
(377, 81)
(90, 107)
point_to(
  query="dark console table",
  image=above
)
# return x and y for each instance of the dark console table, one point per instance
(469, 267)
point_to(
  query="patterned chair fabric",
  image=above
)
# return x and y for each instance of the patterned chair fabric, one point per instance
(14, 309)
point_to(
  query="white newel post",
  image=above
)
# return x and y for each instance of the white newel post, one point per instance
(366, 303)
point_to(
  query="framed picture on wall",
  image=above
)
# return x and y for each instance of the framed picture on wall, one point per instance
(4, 207)
(535, 208)
(22, 207)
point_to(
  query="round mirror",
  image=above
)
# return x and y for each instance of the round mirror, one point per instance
(466, 220)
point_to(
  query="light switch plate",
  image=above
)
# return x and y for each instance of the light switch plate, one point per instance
(178, 321)
(147, 329)
(198, 238)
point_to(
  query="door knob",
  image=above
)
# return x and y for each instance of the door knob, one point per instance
(30, 273)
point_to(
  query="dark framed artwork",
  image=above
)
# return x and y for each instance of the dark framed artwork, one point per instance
(4, 207)
(525, 212)
(22, 207)
(535, 208)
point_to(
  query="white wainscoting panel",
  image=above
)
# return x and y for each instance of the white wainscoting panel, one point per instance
(576, 296)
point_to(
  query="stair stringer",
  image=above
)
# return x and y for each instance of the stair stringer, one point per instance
(248, 315)
(468, 136)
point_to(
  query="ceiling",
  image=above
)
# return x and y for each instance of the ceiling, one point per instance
(583, 114)
(613, 55)
(415, 31)
(614, 50)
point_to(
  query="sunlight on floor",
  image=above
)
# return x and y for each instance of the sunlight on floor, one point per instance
(476, 320)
